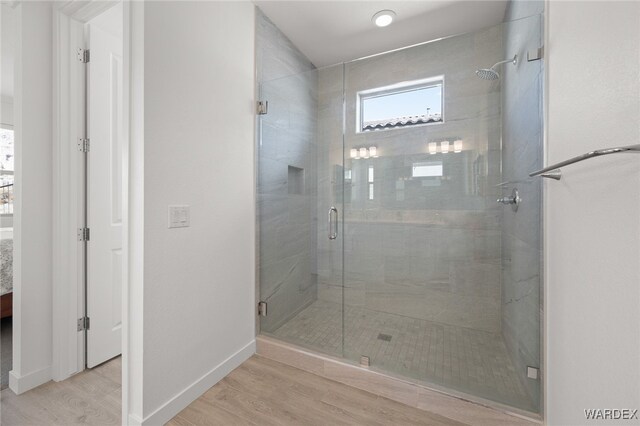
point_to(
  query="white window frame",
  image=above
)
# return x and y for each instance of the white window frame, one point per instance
(9, 172)
(405, 86)
(10, 127)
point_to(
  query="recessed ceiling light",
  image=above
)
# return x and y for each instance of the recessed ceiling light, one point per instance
(383, 18)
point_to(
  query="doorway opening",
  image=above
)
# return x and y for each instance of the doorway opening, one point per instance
(88, 197)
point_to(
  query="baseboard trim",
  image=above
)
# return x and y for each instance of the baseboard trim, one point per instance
(176, 404)
(21, 384)
(456, 407)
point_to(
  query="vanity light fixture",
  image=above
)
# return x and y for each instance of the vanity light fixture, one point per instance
(358, 153)
(383, 18)
(457, 146)
(444, 147)
(433, 148)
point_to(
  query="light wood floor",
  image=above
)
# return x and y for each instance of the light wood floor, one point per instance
(92, 397)
(265, 392)
(259, 392)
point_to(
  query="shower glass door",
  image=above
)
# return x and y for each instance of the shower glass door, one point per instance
(300, 209)
(380, 238)
(430, 291)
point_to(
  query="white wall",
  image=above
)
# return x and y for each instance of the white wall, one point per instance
(7, 49)
(592, 215)
(32, 304)
(197, 282)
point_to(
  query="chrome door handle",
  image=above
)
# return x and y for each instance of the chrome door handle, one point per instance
(507, 200)
(333, 224)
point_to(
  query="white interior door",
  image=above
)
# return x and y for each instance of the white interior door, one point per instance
(104, 198)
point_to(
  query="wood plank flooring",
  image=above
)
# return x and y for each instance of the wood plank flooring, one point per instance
(259, 392)
(92, 397)
(266, 392)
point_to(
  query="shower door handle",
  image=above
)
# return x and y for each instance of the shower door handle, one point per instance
(333, 223)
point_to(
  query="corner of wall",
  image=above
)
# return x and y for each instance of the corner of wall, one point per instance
(185, 397)
(33, 227)
(21, 384)
(133, 306)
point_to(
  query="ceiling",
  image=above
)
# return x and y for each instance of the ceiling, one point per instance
(329, 32)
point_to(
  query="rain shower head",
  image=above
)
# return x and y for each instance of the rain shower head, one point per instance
(487, 74)
(491, 73)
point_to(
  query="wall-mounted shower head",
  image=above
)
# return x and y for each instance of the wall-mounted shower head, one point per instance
(487, 74)
(491, 73)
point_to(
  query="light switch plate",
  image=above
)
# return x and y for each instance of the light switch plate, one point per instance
(532, 373)
(179, 216)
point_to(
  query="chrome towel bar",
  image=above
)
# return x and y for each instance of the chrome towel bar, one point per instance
(553, 172)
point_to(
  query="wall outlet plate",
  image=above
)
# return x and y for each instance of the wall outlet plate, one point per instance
(179, 216)
(532, 373)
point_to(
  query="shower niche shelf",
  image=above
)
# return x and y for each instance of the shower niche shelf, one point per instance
(295, 180)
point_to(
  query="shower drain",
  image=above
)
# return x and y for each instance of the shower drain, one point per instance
(385, 337)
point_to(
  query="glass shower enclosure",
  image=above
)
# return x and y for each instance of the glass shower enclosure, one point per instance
(387, 230)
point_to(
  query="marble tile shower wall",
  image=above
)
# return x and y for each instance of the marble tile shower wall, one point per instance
(422, 248)
(286, 187)
(522, 153)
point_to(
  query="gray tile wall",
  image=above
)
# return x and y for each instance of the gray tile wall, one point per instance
(521, 154)
(287, 187)
(421, 248)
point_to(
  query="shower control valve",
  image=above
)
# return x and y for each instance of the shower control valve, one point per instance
(514, 200)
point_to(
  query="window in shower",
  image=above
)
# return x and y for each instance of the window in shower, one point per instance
(400, 105)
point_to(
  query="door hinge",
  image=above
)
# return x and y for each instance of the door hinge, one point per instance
(84, 234)
(365, 361)
(83, 323)
(262, 309)
(532, 372)
(262, 107)
(83, 145)
(83, 55)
